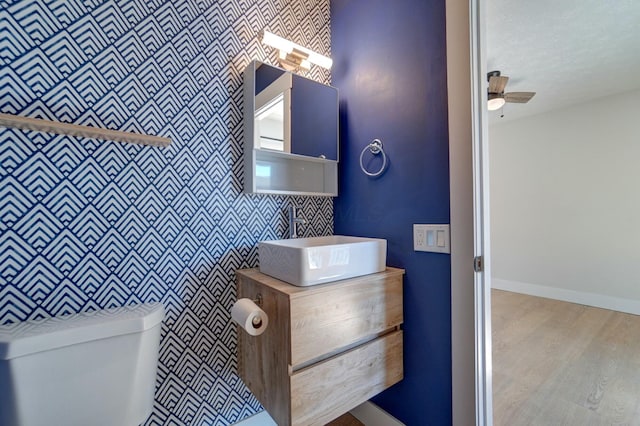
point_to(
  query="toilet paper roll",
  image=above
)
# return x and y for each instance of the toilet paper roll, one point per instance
(250, 317)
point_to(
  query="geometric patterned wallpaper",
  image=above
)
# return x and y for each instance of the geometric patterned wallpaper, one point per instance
(87, 224)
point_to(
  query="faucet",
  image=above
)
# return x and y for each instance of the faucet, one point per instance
(293, 221)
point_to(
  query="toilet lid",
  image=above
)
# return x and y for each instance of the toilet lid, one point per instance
(24, 338)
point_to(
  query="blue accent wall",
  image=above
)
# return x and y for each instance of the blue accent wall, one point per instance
(390, 67)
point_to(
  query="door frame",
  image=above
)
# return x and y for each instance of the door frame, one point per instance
(468, 150)
(482, 279)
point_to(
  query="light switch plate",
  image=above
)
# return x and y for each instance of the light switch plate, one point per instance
(432, 238)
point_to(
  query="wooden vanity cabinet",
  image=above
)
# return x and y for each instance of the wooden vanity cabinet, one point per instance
(327, 349)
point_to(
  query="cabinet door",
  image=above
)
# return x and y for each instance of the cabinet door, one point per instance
(328, 389)
(314, 113)
(273, 116)
(324, 322)
(314, 119)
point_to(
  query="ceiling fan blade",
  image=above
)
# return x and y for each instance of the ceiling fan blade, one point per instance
(519, 97)
(497, 83)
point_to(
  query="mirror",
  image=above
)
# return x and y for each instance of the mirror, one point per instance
(270, 125)
(291, 133)
(295, 114)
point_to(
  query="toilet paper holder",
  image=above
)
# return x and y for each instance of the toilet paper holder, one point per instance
(257, 321)
(258, 300)
(248, 313)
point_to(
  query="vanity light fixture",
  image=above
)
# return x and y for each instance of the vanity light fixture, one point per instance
(292, 56)
(495, 102)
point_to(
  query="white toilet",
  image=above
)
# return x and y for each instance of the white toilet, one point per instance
(96, 368)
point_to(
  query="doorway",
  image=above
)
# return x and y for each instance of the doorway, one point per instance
(564, 225)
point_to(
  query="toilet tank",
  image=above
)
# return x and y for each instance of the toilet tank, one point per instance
(95, 368)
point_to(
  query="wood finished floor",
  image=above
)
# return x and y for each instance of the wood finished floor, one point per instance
(559, 363)
(346, 420)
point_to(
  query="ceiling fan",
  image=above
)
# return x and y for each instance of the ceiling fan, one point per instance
(497, 97)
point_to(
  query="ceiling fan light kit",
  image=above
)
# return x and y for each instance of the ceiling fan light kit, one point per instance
(495, 102)
(496, 96)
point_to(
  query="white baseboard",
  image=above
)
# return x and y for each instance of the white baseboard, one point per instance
(372, 415)
(261, 419)
(629, 306)
(368, 413)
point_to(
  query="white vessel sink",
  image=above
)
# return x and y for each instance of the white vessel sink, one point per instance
(317, 260)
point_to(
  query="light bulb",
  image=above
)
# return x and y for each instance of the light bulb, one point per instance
(495, 103)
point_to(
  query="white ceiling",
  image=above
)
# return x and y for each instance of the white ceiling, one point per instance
(567, 51)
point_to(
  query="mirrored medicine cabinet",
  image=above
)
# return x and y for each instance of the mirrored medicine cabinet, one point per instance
(290, 133)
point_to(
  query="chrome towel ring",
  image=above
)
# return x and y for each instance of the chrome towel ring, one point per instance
(375, 148)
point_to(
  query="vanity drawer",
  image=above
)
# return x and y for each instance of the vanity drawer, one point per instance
(340, 315)
(332, 387)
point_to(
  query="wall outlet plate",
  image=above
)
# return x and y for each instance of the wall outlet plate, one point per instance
(431, 238)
